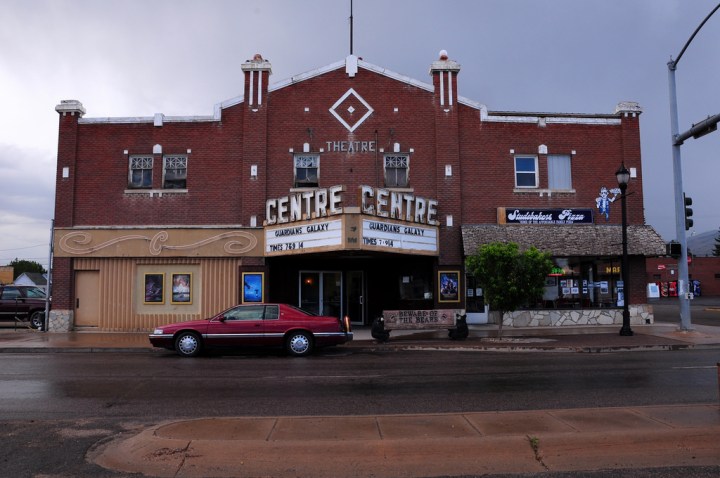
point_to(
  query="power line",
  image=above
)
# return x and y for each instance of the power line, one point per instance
(20, 248)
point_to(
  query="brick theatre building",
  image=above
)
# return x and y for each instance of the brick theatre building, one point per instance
(346, 190)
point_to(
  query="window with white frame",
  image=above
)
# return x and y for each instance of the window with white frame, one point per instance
(526, 171)
(396, 170)
(140, 176)
(306, 170)
(559, 171)
(175, 172)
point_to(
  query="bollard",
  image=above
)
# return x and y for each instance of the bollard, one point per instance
(378, 331)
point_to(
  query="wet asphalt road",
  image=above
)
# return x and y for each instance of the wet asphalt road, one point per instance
(54, 407)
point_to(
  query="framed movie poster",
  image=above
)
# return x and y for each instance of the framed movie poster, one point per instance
(448, 286)
(253, 290)
(551, 281)
(154, 288)
(182, 288)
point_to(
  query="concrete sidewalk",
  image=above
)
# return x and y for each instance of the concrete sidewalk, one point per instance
(467, 444)
(662, 336)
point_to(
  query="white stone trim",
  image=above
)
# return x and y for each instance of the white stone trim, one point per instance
(349, 92)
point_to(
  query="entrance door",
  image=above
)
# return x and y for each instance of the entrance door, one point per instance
(320, 292)
(87, 303)
(355, 296)
(475, 308)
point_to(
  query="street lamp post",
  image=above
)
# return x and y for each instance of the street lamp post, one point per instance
(696, 131)
(623, 177)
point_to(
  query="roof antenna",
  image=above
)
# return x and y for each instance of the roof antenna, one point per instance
(351, 27)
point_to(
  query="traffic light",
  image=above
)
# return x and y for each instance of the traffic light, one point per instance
(688, 212)
(673, 249)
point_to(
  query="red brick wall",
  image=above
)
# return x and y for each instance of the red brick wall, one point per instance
(488, 166)
(62, 284)
(220, 190)
(67, 157)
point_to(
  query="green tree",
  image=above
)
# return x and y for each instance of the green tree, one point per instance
(509, 278)
(716, 250)
(21, 266)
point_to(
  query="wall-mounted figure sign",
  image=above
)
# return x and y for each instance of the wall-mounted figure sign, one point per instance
(181, 288)
(448, 286)
(603, 201)
(154, 285)
(253, 290)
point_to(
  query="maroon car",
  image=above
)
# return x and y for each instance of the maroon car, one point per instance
(21, 302)
(272, 325)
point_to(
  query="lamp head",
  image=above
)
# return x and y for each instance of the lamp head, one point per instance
(623, 176)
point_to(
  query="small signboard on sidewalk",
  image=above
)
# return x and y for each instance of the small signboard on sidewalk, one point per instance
(420, 319)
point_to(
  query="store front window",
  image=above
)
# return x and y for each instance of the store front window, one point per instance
(579, 283)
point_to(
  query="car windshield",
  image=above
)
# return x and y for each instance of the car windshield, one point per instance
(302, 311)
(35, 293)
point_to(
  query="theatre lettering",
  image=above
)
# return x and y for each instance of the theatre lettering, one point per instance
(324, 202)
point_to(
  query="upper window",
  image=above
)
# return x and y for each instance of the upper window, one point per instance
(306, 170)
(140, 172)
(396, 170)
(526, 171)
(175, 172)
(559, 171)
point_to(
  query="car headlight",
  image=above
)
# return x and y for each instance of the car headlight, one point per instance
(158, 332)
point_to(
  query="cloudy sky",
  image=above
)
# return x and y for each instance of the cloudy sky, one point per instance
(180, 57)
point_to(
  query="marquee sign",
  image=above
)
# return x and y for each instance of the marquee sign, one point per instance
(398, 237)
(544, 216)
(316, 220)
(302, 238)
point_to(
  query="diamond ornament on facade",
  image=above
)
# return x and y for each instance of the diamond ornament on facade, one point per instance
(351, 102)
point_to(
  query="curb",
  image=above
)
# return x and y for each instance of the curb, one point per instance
(61, 350)
(398, 348)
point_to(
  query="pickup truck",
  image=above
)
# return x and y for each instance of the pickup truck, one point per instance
(23, 303)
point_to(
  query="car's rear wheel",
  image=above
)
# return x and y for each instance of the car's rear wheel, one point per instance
(188, 344)
(37, 320)
(299, 344)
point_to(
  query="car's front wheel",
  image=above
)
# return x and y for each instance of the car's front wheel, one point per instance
(188, 344)
(37, 320)
(299, 344)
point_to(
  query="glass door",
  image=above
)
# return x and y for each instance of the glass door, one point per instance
(310, 291)
(355, 297)
(320, 292)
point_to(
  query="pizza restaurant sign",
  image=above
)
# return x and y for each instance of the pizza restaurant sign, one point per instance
(545, 216)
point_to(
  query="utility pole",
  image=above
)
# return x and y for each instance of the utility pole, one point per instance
(699, 129)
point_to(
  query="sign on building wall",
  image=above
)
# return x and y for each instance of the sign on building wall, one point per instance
(544, 216)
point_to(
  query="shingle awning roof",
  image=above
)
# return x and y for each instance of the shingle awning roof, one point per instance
(567, 240)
